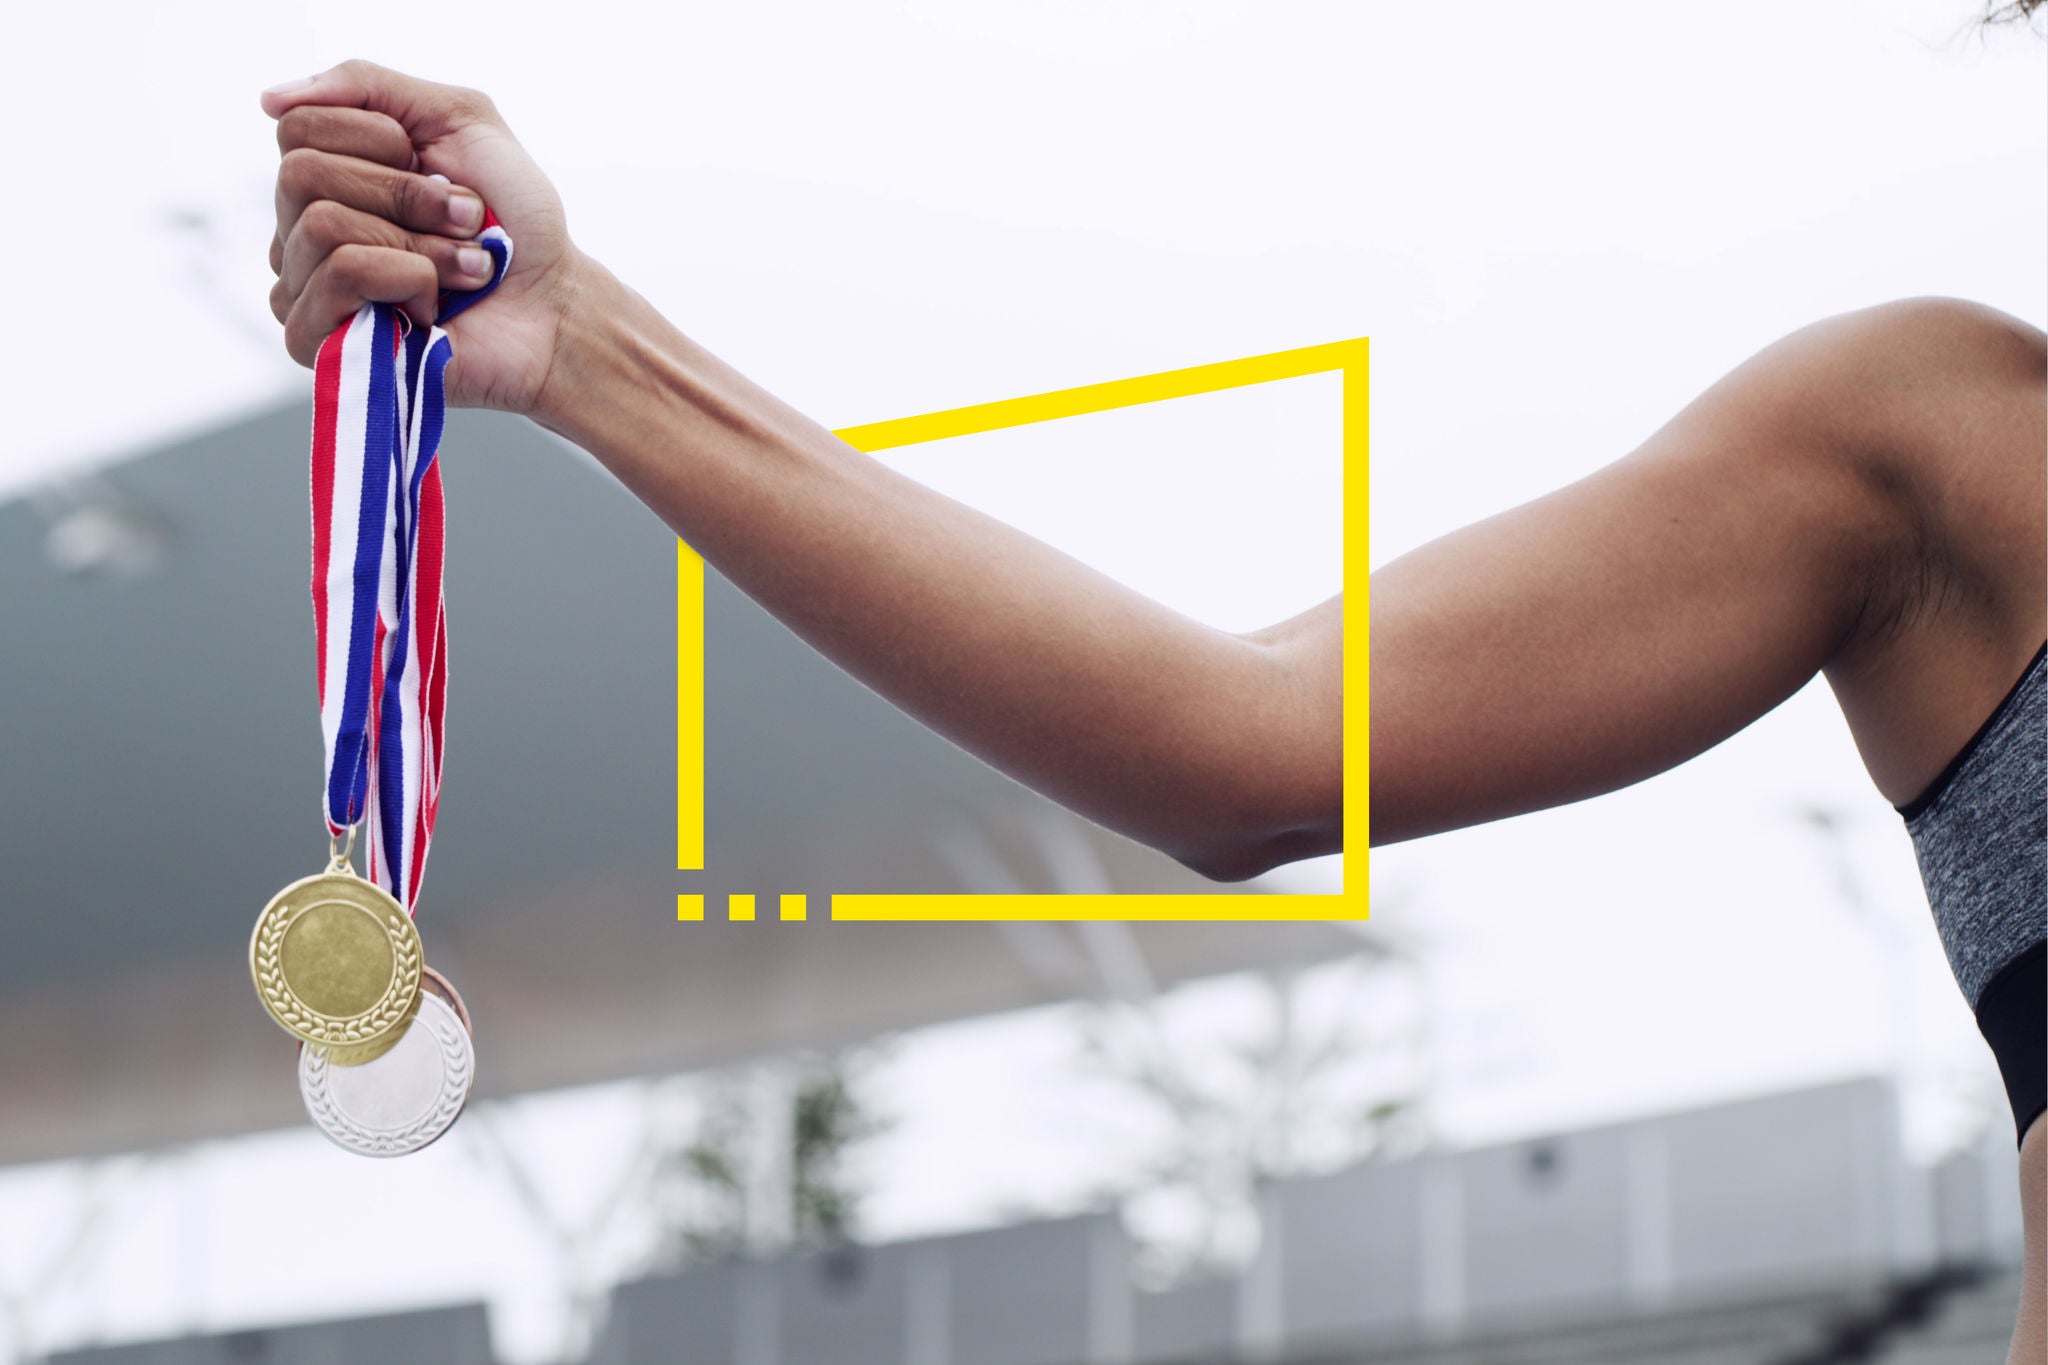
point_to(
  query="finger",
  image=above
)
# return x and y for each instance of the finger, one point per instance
(427, 111)
(325, 227)
(360, 133)
(350, 277)
(418, 202)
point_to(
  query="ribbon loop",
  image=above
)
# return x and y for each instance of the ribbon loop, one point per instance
(379, 620)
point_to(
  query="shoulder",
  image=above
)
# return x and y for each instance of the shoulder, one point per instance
(1950, 405)
(1955, 350)
(1939, 401)
(1935, 410)
(1933, 320)
(1884, 376)
(1940, 406)
(1897, 397)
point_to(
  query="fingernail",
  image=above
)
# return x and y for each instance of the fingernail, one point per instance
(465, 210)
(286, 87)
(473, 260)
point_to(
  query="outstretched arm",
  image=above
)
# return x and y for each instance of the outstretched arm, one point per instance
(1223, 750)
(1863, 498)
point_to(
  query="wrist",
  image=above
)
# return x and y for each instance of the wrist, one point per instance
(655, 408)
(588, 298)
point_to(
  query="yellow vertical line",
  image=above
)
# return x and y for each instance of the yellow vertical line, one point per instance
(689, 709)
(739, 907)
(792, 907)
(689, 908)
(1357, 504)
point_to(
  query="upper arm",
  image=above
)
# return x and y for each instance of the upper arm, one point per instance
(1795, 517)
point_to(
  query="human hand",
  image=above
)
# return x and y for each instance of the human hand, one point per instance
(360, 220)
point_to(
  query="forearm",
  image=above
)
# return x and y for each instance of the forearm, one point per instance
(1223, 750)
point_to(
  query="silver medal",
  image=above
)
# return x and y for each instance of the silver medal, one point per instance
(398, 1102)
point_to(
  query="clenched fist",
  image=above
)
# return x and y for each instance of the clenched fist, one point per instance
(359, 219)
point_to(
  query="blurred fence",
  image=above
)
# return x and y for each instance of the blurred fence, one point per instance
(1753, 1233)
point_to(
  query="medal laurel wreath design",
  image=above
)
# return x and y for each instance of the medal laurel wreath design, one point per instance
(457, 1056)
(385, 1015)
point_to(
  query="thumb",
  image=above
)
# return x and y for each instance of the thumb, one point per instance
(426, 110)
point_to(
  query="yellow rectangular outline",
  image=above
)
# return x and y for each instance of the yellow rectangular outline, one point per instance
(1351, 360)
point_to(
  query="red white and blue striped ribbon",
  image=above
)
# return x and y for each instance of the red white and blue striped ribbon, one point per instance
(379, 618)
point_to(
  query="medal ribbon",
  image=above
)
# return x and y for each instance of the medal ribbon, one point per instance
(379, 620)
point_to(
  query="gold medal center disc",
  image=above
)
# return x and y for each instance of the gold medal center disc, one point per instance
(336, 961)
(337, 958)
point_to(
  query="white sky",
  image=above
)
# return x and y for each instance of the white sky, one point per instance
(1557, 222)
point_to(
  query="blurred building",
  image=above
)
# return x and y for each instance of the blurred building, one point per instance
(1787, 1230)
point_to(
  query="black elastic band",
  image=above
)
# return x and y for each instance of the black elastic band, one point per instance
(2012, 1014)
(1917, 807)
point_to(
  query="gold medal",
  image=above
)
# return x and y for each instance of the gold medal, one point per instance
(337, 962)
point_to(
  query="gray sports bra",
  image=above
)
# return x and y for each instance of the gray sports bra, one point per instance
(1981, 835)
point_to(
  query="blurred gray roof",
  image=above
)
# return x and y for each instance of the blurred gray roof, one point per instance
(159, 740)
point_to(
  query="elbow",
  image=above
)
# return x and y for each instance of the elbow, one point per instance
(1267, 788)
(1222, 862)
(1243, 855)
